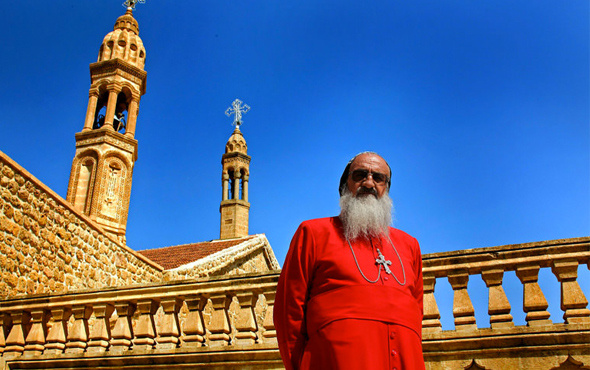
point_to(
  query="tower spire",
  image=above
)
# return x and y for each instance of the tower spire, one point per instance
(235, 162)
(106, 149)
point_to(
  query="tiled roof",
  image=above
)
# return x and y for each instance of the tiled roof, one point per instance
(173, 257)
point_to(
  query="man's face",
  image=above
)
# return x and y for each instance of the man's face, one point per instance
(368, 175)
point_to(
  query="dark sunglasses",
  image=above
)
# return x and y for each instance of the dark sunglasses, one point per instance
(360, 175)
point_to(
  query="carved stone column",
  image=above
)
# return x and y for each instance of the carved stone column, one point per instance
(573, 301)
(534, 302)
(15, 343)
(246, 320)
(169, 332)
(431, 320)
(194, 329)
(462, 307)
(111, 106)
(57, 337)
(123, 331)
(220, 327)
(269, 326)
(245, 187)
(101, 330)
(145, 330)
(91, 111)
(236, 194)
(224, 185)
(132, 116)
(36, 337)
(78, 336)
(498, 305)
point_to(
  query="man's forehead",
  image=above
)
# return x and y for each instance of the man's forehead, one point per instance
(366, 160)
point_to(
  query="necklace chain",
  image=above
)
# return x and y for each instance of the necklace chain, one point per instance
(379, 273)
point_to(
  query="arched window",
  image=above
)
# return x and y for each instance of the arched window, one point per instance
(232, 184)
(101, 108)
(120, 118)
(83, 196)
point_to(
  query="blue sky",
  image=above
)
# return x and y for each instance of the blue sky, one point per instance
(481, 109)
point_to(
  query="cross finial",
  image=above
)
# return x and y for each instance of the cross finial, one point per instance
(237, 109)
(130, 4)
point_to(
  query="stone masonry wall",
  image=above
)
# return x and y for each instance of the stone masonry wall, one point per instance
(46, 246)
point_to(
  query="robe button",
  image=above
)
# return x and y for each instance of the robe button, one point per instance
(393, 352)
(392, 335)
(385, 278)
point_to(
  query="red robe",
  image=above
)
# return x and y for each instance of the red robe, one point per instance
(327, 316)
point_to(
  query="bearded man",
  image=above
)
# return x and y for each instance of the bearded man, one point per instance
(350, 292)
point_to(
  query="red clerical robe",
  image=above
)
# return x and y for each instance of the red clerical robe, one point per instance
(327, 316)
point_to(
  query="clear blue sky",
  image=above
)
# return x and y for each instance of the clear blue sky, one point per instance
(481, 109)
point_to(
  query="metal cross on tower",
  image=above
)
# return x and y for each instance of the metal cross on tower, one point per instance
(131, 3)
(237, 111)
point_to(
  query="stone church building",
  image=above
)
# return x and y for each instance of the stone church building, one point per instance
(74, 295)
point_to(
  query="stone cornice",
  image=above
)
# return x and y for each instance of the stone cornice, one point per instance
(233, 155)
(103, 135)
(110, 67)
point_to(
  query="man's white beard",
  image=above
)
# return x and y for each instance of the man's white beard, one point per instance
(365, 215)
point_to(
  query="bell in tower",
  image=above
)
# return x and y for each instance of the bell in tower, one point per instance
(234, 206)
(106, 149)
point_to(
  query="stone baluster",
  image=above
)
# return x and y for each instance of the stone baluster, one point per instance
(145, 330)
(57, 337)
(573, 301)
(269, 326)
(498, 305)
(15, 343)
(220, 327)
(194, 329)
(5, 325)
(431, 320)
(101, 330)
(36, 337)
(169, 331)
(534, 302)
(462, 307)
(123, 331)
(246, 325)
(78, 336)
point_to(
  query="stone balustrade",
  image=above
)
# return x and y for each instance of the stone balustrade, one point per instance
(230, 316)
(504, 345)
(226, 322)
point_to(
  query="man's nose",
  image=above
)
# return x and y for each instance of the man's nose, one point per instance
(368, 182)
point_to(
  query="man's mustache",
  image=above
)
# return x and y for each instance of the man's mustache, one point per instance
(363, 190)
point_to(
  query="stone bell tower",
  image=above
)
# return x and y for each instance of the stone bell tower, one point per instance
(234, 206)
(106, 150)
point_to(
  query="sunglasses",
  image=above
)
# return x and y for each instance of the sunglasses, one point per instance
(360, 175)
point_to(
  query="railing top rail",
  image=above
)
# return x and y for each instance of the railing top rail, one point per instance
(507, 252)
(207, 286)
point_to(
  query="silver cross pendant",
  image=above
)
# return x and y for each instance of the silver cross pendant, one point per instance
(382, 261)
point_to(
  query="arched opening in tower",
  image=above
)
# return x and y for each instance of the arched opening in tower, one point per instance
(232, 185)
(120, 118)
(101, 108)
